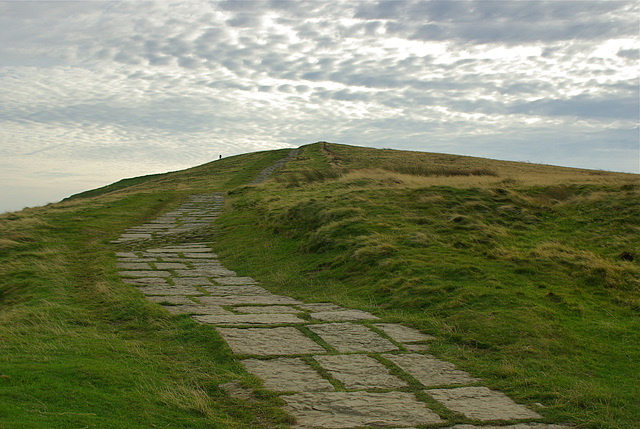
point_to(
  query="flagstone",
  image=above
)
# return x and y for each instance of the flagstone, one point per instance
(269, 341)
(191, 281)
(152, 281)
(133, 265)
(481, 403)
(359, 372)
(267, 309)
(235, 281)
(194, 308)
(236, 290)
(200, 255)
(249, 319)
(170, 266)
(403, 334)
(321, 306)
(287, 375)
(355, 409)
(430, 371)
(334, 316)
(169, 290)
(174, 299)
(349, 337)
(141, 273)
(249, 299)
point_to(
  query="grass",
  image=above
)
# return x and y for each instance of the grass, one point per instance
(520, 271)
(82, 349)
(519, 274)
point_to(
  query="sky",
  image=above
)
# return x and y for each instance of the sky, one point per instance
(92, 92)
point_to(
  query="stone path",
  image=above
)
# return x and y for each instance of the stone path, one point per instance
(334, 367)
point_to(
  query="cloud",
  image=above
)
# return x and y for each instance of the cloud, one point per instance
(134, 83)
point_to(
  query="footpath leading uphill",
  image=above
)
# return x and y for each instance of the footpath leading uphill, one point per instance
(334, 367)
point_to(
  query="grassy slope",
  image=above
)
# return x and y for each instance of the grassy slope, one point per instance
(80, 348)
(517, 270)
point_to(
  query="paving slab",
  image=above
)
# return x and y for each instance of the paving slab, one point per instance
(191, 281)
(267, 309)
(269, 341)
(170, 266)
(430, 371)
(141, 273)
(481, 403)
(194, 308)
(517, 426)
(192, 249)
(235, 281)
(137, 259)
(249, 319)
(206, 271)
(169, 290)
(403, 334)
(236, 290)
(321, 306)
(175, 299)
(354, 409)
(343, 315)
(151, 281)
(126, 255)
(359, 372)
(416, 347)
(132, 236)
(287, 375)
(349, 337)
(249, 299)
(200, 255)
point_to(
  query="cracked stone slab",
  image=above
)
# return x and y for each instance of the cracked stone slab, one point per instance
(170, 266)
(481, 403)
(248, 299)
(321, 306)
(267, 309)
(269, 341)
(403, 334)
(430, 371)
(169, 290)
(174, 299)
(343, 315)
(287, 375)
(359, 372)
(355, 409)
(194, 308)
(149, 273)
(136, 260)
(235, 281)
(349, 337)
(236, 290)
(249, 319)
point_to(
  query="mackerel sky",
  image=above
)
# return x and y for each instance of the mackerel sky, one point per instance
(92, 92)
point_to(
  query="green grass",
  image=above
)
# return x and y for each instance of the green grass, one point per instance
(517, 269)
(521, 280)
(82, 349)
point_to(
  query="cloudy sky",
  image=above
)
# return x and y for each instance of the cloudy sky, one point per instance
(92, 92)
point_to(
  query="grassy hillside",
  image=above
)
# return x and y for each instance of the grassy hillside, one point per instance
(521, 271)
